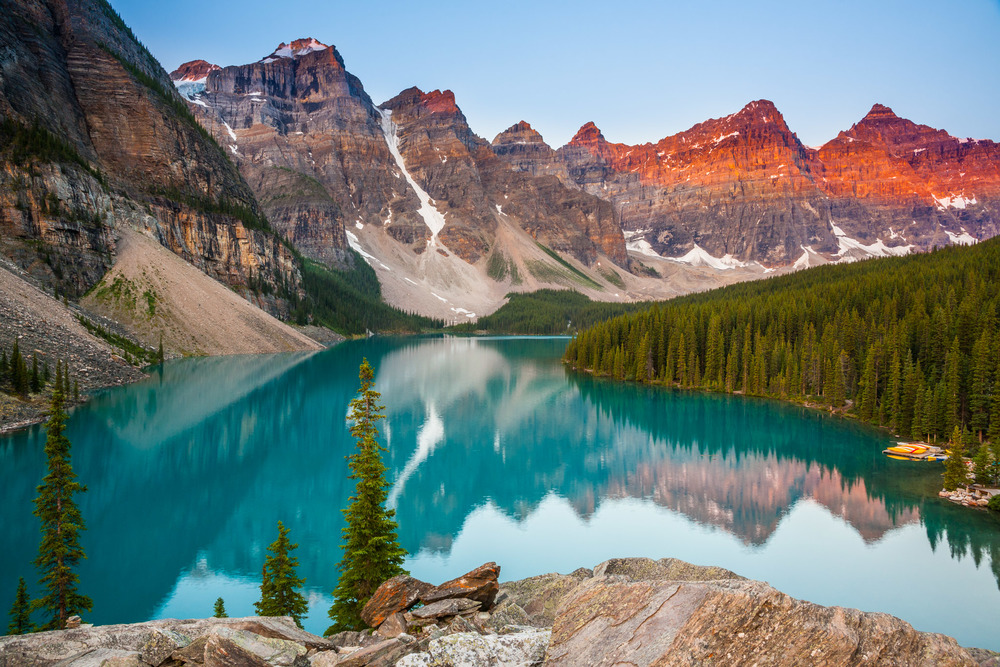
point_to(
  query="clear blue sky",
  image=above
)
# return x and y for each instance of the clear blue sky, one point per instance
(640, 69)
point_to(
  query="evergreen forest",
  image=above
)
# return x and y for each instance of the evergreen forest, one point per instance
(909, 343)
(548, 312)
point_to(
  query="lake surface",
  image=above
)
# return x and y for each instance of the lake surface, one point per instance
(496, 452)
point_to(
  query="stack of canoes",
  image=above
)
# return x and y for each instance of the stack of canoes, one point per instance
(915, 451)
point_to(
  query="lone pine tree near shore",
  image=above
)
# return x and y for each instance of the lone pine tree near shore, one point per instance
(20, 612)
(371, 548)
(59, 551)
(278, 594)
(220, 609)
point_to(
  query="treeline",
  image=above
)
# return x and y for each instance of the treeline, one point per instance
(351, 302)
(132, 352)
(908, 343)
(20, 378)
(19, 142)
(547, 311)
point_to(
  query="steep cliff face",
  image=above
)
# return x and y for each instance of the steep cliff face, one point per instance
(524, 148)
(472, 186)
(326, 163)
(746, 187)
(922, 185)
(738, 185)
(96, 138)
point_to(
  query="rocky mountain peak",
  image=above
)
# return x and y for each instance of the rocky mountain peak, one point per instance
(439, 101)
(880, 112)
(520, 133)
(587, 135)
(296, 49)
(758, 113)
(417, 102)
(195, 71)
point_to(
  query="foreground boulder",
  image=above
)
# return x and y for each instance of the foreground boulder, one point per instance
(611, 620)
(479, 585)
(395, 595)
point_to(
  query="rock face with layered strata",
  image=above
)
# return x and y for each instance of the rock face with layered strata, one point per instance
(744, 185)
(316, 151)
(472, 186)
(607, 620)
(130, 154)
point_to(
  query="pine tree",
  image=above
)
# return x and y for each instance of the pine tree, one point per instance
(18, 372)
(994, 432)
(982, 466)
(278, 594)
(371, 548)
(20, 612)
(36, 378)
(159, 353)
(955, 472)
(979, 392)
(59, 550)
(220, 609)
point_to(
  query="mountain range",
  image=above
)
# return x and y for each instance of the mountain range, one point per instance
(736, 192)
(252, 172)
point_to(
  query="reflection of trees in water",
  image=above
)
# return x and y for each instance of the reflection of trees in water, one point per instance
(853, 480)
(268, 443)
(966, 533)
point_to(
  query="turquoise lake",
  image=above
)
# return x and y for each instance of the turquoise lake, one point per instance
(496, 452)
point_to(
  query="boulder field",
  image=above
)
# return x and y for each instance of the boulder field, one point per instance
(626, 611)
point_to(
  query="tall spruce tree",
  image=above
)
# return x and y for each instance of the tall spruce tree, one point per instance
(371, 547)
(955, 472)
(278, 594)
(59, 551)
(36, 378)
(20, 611)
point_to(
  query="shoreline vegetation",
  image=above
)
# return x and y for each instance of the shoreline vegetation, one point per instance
(908, 344)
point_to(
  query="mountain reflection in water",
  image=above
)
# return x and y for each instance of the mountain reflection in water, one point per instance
(495, 452)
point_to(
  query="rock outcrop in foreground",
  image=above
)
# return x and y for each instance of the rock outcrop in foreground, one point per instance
(633, 611)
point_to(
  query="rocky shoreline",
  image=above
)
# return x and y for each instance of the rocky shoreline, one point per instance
(635, 611)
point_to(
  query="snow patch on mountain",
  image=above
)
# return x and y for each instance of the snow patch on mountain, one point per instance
(432, 217)
(698, 256)
(954, 201)
(635, 241)
(297, 48)
(808, 258)
(190, 89)
(352, 240)
(965, 238)
(852, 250)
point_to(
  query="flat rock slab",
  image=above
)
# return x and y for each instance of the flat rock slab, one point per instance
(609, 621)
(539, 597)
(647, 569)
(105, 657)
(223, 652)
(382, 654)
(479, 585)
(158, 641)
(444, 608)
(468, 649)
(396, 594)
